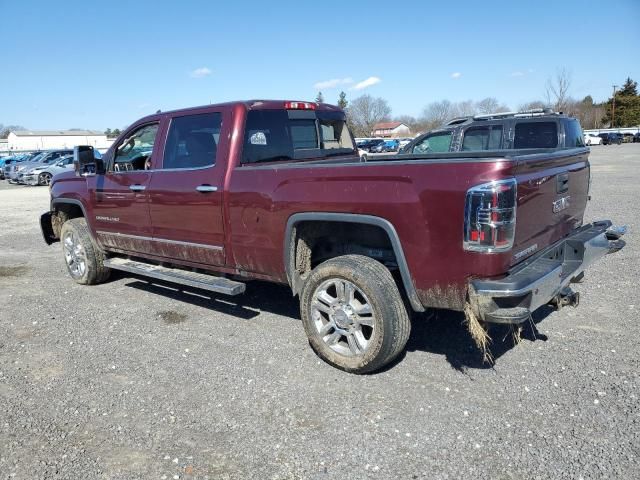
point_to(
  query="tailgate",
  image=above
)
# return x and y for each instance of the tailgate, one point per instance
(552, 196)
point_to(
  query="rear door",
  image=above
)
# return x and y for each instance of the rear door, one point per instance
(186, 191)
(553, 187)
(119, 197)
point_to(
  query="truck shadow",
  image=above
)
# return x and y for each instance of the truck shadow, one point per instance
(442, 332)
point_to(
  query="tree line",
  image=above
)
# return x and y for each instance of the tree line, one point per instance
(622, 109)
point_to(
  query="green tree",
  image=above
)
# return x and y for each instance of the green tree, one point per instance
(107, 132)
(627, 106)
(342, 100)
(629, 88)
(116, 132)
(319, 98)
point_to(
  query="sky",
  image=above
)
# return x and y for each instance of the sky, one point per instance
(83, 64)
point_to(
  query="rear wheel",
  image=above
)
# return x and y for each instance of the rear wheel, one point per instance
(85, 262)
(353, 314)
(44, 178)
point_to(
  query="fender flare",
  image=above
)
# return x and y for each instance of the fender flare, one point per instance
(294, 278)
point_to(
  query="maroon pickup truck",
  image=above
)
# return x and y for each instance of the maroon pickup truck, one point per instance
(213, 196)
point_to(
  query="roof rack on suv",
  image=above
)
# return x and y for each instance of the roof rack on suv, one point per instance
(534, 112)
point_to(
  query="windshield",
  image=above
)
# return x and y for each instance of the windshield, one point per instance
(272, 135)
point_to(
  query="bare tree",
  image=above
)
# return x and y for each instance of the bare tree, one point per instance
(365, 111)
(532, 105)
(557, 90)
(490, 105)
(466, 108)
(437, 113)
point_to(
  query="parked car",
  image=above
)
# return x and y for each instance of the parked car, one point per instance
(231, 195)
(627, 137)
(43, 158)
(390, 146)
(11, 162)
(592, 139)
(403, 142)
(636, 138)
(42, 173)
(533, 129)
(610, 138)
(371, 145)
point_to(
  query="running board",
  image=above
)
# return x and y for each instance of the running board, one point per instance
(175, 275)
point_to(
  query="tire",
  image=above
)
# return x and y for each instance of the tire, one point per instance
(337, 322)
(44, 178)
(84, 260)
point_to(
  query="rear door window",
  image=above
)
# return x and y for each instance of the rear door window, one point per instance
(436, 143)
(487, 137)
(192, 141)
(536, 135)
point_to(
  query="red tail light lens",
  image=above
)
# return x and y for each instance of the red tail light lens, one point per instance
(490, 217)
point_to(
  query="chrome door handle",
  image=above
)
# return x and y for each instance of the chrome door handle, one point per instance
(137, 188)
(206, 188)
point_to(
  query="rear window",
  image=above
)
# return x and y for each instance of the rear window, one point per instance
(536, 135)
(573, 134)
(482, 138)
(272, 135)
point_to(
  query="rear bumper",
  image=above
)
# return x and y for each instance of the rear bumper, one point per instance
(544, 278)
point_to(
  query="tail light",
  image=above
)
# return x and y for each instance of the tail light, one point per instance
(299, 106)
(490, 217)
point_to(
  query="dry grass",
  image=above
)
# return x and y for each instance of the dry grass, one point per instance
(479, 333)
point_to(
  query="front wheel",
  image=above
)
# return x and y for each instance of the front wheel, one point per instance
(44, 179)
(85, 262)
(353, 314)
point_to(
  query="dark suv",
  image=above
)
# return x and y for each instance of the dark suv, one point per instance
(610, 138)
(501, 131)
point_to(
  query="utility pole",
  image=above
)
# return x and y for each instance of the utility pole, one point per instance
(613, 109)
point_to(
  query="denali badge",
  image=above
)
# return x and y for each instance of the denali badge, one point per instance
(526, 251)
(100, 218)
(561, 204)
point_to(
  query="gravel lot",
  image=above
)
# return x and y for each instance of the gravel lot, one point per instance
(133, 380)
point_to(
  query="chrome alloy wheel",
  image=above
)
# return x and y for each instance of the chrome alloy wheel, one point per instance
(74, 255)
(343, 316)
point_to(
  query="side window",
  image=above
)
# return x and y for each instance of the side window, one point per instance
(573, 134)
(536, 135)
(192, 141)
(436, 143)
(134, 152)
(482, 138)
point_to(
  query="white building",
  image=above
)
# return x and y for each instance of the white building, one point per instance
(391, 129)
(50, 139)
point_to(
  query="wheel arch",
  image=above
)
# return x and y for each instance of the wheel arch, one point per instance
(295, 279)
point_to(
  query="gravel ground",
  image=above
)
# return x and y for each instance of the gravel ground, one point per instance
(132, 380)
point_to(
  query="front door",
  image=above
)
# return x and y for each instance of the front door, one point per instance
(120, 198)
(185, 194)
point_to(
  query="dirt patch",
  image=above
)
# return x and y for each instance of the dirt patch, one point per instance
(15, 271)
(171, 317)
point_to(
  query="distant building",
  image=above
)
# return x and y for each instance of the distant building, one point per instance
(48, 139)
(391, 129)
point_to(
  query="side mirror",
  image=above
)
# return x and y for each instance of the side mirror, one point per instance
(86, 163)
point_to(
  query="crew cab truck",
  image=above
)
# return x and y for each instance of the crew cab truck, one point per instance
(214, 196)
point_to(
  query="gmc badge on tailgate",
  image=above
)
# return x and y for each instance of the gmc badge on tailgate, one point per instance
(561, 204)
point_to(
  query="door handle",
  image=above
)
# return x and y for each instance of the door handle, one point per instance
(206, 188)
(137, 187)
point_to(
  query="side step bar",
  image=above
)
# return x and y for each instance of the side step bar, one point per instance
(175, 275)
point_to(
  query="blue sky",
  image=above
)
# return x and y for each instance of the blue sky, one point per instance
(79, 64)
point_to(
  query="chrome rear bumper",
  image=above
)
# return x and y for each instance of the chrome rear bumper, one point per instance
(544, 278)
